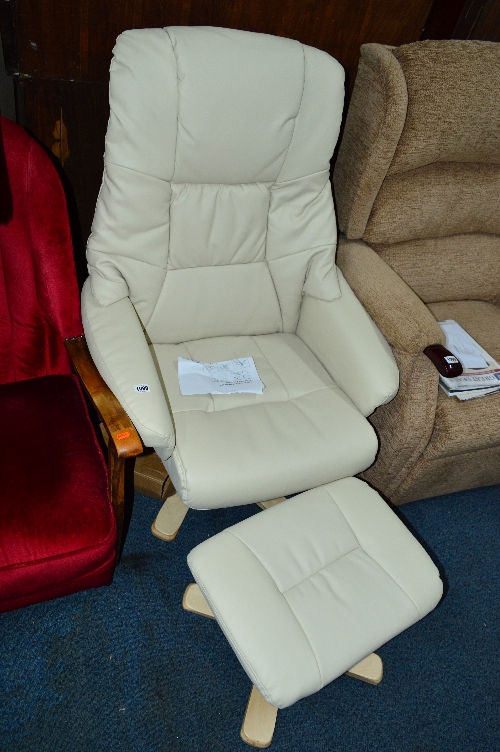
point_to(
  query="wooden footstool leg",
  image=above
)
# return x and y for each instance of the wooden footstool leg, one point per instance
(194, 601)
(259, 721)
(370, 669)
(169, 518)
(260, 717)
(270, 503)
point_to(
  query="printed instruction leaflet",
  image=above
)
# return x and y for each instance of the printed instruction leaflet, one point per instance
(225, 377)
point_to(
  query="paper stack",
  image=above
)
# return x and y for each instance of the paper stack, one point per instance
(481, 373)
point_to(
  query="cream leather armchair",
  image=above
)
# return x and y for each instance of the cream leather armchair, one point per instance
(214, 237)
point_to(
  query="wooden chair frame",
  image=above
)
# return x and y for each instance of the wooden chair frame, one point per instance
(123, 440)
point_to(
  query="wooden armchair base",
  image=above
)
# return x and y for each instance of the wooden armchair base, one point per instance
(260, 717)
(171, 516)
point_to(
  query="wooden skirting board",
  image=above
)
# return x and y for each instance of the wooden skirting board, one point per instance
(150, 476)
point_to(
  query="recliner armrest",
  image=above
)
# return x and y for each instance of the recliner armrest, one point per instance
(402, 317)
(350, 346)
(121, 353)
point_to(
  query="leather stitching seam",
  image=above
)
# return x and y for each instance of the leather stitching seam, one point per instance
(291, 610)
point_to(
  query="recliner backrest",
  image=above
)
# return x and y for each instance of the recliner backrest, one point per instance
(418, 171)
(215, 212)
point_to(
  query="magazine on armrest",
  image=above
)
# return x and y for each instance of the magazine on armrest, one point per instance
(475, 381)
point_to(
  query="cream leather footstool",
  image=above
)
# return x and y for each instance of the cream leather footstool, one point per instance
(307, 589)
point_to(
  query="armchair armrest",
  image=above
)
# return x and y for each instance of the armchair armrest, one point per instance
(350, 346)
(121, 353)
(403, 318)
(118, 425)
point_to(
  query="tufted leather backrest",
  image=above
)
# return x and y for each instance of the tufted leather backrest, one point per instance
(215, 212)
(418, 171)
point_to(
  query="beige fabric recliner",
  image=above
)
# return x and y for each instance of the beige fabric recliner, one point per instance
(417, 186)
(214, 238)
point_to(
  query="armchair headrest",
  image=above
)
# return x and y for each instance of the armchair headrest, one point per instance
(453, 110)
(420, 153)
(221, 105)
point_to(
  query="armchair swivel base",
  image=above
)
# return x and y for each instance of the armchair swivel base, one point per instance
(171, 516)
(308, 589)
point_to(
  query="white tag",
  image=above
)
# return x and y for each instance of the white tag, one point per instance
(225, 377)
(451, 359)
(141, 388)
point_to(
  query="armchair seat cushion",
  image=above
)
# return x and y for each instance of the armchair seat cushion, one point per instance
(473, 425)
(303, 431)
(57, 526)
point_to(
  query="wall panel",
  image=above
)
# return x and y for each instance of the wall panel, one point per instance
(73, 39)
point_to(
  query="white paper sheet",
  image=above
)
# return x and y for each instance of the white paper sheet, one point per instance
(462, 345)
(225, 377)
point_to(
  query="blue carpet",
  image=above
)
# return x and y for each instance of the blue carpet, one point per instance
(125, 669)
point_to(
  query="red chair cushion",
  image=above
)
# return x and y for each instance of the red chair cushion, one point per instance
(57, 525)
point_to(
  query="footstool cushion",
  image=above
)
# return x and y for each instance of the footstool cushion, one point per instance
(307, 588)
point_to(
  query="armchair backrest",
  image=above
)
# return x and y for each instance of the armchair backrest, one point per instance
(215, 212)
(39, 300)
(418, 171)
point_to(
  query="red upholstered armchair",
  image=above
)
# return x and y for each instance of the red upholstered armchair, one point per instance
(58, 533)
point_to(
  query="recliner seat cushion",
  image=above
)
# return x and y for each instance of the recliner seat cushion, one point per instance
(241, 448)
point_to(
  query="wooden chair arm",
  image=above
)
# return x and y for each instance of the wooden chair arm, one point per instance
(118, 426)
